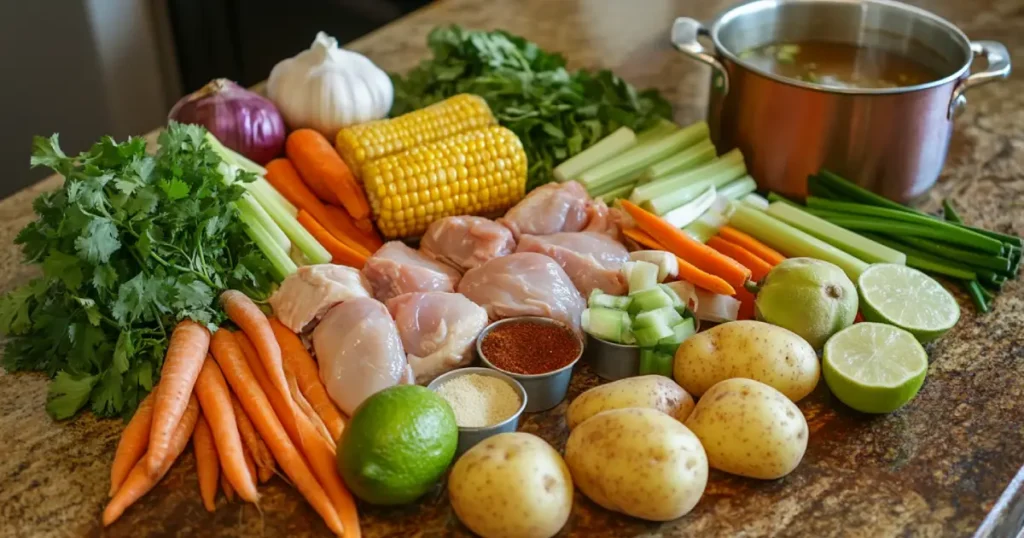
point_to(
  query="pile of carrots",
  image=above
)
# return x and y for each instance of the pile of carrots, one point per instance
(251, 401)
(723, 265)
(332, 204)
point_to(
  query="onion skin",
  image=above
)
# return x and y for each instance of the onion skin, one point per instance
(244, 121)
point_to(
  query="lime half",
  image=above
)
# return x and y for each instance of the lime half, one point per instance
(907, 298)
(873, 367)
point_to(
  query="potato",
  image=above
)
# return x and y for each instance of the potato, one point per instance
(650, 391)
(750, 429)
(511, 485)
(750, 349)
(637, 461)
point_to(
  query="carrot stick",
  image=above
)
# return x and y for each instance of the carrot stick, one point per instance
(680, 244)
(229, 355)
(186, 352)
(215, 399)
(341, 253)
(315, 157)
(251, 440)
(207, 464)
(687, 271)
(229, 492)
(277, 401)
(133, 443)
(140, 480)
(360, 230)
(746, 241)
(758, 267)
(307, 374)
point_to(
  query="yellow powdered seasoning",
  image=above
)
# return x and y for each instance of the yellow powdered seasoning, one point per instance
(479, 400)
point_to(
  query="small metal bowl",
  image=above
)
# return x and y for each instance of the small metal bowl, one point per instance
(611, 361)
(545, 390)
(471, 436)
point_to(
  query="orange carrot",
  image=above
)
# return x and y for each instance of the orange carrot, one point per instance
(361, 231)
(215, 399)
(315, 157)
(140, 480)
(251, 439)
(250, 463)
(133, 443)
(229, 355)
(277, 401)
(229, 492)
(746, 304)
(341, 253)
(185, 355)
(307, 374)
(687, 271)
(254, 324)
(758, 267)
(207, 465)
(683, 246)
(761, 250)
(307, 411)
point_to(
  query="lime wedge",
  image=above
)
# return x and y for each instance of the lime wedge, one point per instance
(907, 298)
(873, 367)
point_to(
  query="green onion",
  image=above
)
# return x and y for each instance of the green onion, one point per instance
(967, 257)
(977, 295)
(629, 164)
(926, 262)
(989, 295)
(691, 157)
(857, 245)
(816, 188)
(847, 189)
(610, 146)
(673, 182)
(950, 212)
(738, 188)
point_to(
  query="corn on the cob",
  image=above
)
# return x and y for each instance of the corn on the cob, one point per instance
(477, 172)
(365, 142)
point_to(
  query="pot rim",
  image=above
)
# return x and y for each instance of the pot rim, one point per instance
(739, 10)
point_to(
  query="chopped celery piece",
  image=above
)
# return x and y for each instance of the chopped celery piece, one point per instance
(651, 299)
(711, 221)
(649, 336)
(640, 275)
(736, 189)
(606, 323)
(600, 299)
(668, 264)
(691, 157)
(655, 362)
(716, 308)
(841, 238)
(616, 193)
(665, 316)
(606, 148)
(682, 216)
(633, 161)
(680, 332)
(672, 182)
(700, 231)
(756, 201)
(281, 265)
(660, 130)
(249, 203)
(677, 301)
(671, 200)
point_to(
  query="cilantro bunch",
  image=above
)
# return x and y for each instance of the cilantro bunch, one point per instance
(130, 245)
(555, 113)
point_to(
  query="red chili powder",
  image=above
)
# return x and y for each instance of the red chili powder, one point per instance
(530, 347)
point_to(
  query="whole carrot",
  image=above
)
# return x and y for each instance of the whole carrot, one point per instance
(308, 413)
(186, 352)
(133, 443)
(254, 324)
(758, 267)
(215, 400)
(229, 492)
(252, 441)
(259, 373)
(361, 229)
(762, 251)
(307, 374)
(341, 253)
(315, 157)
(207, 465)
(227, 353)
(140, 480)
(687, 271)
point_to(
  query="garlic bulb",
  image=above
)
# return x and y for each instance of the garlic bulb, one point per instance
(327, 88)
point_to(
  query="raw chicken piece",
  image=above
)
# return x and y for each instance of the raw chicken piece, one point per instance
(359, 351)
(396, 269)
(524, 284)
(466, 242)
(552, 208)
(438, 331)
(591, 259)
(606, 220)
(308, 293)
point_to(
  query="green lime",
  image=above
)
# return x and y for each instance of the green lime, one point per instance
(813, 298)
(907, 298)
(873, 367)
(398, 444)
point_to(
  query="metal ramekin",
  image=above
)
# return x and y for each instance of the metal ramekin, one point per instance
(470, 436)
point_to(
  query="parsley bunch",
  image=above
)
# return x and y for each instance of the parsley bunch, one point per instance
(131, 244)
(555, 113)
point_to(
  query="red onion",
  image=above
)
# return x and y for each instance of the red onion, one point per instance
(244, 121)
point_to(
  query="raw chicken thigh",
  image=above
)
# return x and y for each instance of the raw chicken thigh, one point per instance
(359, 351)
(524, 284)
(309, 292)
(396, 269)
(605, 220)
(552, 208)
(592, 260)
(466, 242)
(438, 331)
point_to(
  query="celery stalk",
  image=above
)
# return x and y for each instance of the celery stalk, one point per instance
(671, 200)
(756, 201)
(711, 221)
(606, 148)
(299, 236)
(280, 263)
(841, 238)
(249, 204)
(266, 190)
(660, 130)
(633, 161)
(615, 194)
(673, 182)
(683, 215)
(233, 157)
(736, 189)
(792, 241)
(691, 157)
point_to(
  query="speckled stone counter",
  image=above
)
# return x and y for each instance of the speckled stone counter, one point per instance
(935, 468)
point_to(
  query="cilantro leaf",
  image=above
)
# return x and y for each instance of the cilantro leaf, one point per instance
(67, 394)
(46, 152)
(98, 241)
(174, 189)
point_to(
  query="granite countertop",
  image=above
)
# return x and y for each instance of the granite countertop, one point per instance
(934, 468)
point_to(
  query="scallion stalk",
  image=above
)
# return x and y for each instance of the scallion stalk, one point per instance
(977, 295)
(924, 261)
(614, 144)
(967, 257)
(847, 189)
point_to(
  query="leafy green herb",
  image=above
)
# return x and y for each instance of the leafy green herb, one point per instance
(130, 245)
(555, 113)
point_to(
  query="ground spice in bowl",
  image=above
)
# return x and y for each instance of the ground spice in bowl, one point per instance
(479, 401)
(530, 347)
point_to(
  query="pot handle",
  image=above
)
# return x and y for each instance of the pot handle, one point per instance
(685, 34)
(998, 68)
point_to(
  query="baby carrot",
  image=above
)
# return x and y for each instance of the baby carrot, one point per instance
(215, 399)
(341, 253)
(207, 465)
(746, 241)
(315, 157)
(687, 271)
(307, 374)
(133, 443)
(758, 267)
(186, 352)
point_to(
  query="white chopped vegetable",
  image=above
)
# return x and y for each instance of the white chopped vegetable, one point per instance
(716, 308)
(683, 215)
(668, 265)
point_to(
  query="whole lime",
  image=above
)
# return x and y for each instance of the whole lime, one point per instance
(399, 442)
(813, 298)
